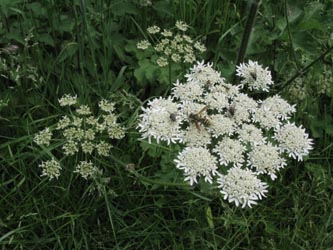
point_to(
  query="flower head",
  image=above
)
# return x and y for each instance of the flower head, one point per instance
(204, 74)
(265, 118)
(85, 169)
(87, 147)
(242, 187)
(244, 106)
(43, 137)
(197, 161)
(162, 61)
(199, 46)
(187, 91)
(67, 100)
(51, 169)
(181, 25)
(166, 33)
(103, 148)
(221, 125)
(249, 133)
(196, 136)
(293, 140)
(160, 120)
(216, 100)
(83, 110)
(144, 44)
(279, 107)
(265, 158)
(230, 151)
(254, 76)
(153, 29)
(64, 122)
(106, 106)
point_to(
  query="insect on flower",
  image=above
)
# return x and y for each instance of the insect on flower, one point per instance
(253, 73)
(198, 118)
(173, 117)
(231, 110)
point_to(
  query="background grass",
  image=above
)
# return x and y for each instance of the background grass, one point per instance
(88, 48)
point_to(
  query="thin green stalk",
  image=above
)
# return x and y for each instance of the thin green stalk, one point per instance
(170, 80)
(144, 179)
(85, 22)
(290, 36)
(246, 34)
(305, 69)
(110, 218)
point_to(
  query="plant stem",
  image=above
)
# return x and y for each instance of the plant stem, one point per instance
(144, 179)
(305, 69)
(246, 35)
(289, 35)
(170, 82)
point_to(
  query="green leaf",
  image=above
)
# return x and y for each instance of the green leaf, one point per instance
(37, 9)
(65, 24)
(209, 217)
(68, 51)
(121, 8)
(152, 149)
(145, 72)
(281, 24)
(293, 13)
(46, 38)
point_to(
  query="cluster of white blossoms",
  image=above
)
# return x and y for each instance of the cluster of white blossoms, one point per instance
(228, 138)
(254, 76)
(81, 134)
(172, 45)
(145, 3)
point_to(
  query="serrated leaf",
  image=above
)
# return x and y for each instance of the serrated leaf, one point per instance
(145, 72)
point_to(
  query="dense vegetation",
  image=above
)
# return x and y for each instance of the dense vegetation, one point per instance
(89, 48)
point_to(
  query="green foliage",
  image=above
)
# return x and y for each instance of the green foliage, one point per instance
(88, 48)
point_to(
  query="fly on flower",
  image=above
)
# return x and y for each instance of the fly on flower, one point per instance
(253, 74)
(173, 117)
(231, 110)
(198, 118)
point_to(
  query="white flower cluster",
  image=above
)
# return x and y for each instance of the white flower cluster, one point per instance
(172, 46)
(82, 133)
(226, 131)
(145, 3)
(254, 76)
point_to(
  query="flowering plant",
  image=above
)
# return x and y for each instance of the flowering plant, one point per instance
(229, 138)
(82, 136)
(172, 46)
